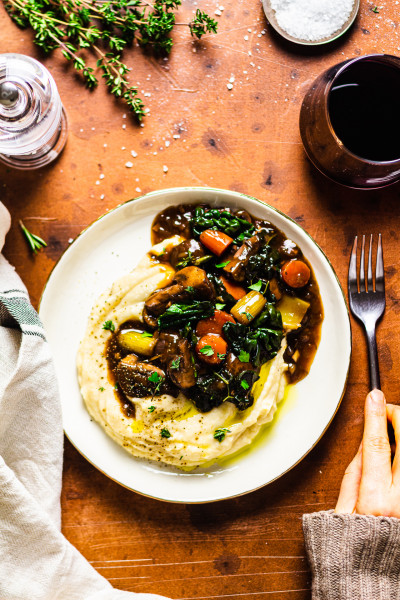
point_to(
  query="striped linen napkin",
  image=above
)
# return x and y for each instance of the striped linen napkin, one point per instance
(36, 560)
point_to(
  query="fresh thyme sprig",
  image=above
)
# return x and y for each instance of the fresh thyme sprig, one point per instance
(35, 242)
(106, 28)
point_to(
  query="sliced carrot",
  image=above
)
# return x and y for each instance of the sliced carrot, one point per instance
(295, 273)
(214, 324)
(211, 349)
(216, 241)
(235, 290)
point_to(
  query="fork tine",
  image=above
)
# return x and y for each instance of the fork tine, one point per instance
(352, 279)
(362, 266)
(379, 273)
(369, 273)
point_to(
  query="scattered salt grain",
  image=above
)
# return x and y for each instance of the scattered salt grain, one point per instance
(167, 143)
(138, 189)
(101, 176)
(218, 12)
(70, 240)
(134, 154)
(246, 37)
(129, 164)
(102, 197)
(229, 86)
(124, 126)
(176, 136)
(221, 8)
(97, 182)
(312, 20)
(231, 79)
(165, 169)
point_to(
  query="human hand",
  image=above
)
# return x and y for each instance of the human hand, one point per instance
(371, 483)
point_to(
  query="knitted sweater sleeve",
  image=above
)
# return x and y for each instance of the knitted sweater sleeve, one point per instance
(353, 557)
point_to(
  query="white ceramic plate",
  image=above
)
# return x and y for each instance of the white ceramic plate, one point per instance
(111, 247)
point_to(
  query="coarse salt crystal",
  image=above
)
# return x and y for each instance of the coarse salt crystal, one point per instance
(218, 12)
(129, 164)
(246, 37)
(101, 176)
(138, 189)
(165, 169)
(176, 136)
(231, 79)
(167, 143)
(229, 86)
(134, 154)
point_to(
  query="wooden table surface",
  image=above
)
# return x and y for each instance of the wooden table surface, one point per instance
(246, 139)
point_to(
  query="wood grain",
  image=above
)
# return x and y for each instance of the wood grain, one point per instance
(246, 139)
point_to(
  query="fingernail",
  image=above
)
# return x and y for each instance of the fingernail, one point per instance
(377, 398)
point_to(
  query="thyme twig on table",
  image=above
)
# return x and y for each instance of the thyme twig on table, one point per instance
(35, 242)
(106, 28)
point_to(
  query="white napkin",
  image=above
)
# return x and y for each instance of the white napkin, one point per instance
(36, 560)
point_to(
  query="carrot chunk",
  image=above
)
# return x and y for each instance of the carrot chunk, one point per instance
(295, 273)
(235, 290)
(214, 324)
(211, 349)
(216, 241)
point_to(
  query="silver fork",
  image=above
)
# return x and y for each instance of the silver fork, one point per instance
(367, 300)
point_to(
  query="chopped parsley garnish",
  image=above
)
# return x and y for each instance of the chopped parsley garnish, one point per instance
(221, 356)
(116, 386)
(222, 265)
(244, 384)
(175, 363)
(185, 261)
(219, 434)
(109, 325)
(165, 433)
(190, 289)
(152, 408)
(154, 377)
(244, 356)
(207, 351)
(101, 389)
(256, 286)
(146, 334)
(375, 9)
(219, 306)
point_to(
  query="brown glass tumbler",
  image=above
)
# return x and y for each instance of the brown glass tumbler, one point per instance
(342, 161)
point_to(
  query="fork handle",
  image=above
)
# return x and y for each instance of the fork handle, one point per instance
(375, 381)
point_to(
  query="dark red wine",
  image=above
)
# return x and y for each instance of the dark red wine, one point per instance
(364, 108)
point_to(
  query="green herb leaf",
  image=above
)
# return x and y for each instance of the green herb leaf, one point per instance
(221, 356)
(165, 433)
(109, 325)
(219, 306)
(178, 316)
(244, 384)
(223, 264)
(219, 434)
(146, 334)
(207, 351)
(244, 356)
(175, 363)
(151, 408)
(154, 377)
(101, 389)
(256, 286)
(35, 242)
(375, 9)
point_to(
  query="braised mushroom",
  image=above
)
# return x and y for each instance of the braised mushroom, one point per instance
(236, 267)
(196, 278)
(186, 252)
(138, 379)
(181, 369)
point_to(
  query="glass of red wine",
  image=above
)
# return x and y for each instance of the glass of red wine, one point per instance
(350, 122)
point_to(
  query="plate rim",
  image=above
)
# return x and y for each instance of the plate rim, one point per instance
(333, 272)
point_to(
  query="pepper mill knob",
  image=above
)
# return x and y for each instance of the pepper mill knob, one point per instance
(8, 94)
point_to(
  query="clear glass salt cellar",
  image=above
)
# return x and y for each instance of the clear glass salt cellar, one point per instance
(33, 123)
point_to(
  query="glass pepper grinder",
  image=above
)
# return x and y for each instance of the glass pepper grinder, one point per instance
(33, 123)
